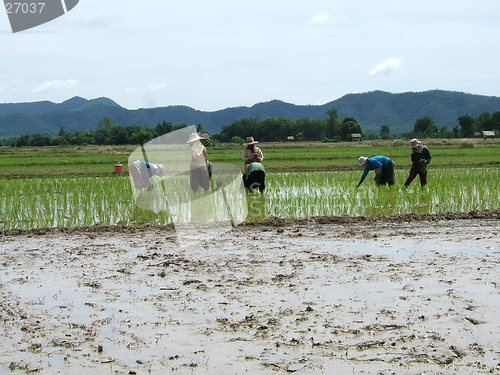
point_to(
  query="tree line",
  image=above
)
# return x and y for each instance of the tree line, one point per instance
(106, 133)
(335, 129)
(278, 129)
(467, 126)
(303, 129)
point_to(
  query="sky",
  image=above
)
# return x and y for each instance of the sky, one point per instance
(211, 55)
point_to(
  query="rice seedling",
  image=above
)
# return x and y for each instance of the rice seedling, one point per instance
(30, 203)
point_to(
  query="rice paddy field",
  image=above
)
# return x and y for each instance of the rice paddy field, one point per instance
(75, 186)
(346, 291)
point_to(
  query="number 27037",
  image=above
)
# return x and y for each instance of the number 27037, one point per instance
(25, 8)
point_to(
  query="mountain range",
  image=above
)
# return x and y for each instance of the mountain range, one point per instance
(371, 110)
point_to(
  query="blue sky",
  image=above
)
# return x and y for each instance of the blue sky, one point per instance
(216, 54)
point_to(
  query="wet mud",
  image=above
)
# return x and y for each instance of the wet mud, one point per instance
(403, 294)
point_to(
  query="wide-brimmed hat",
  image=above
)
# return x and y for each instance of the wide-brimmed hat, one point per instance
(251, 141)
(362, 160)
(193, 138)
(414, 143)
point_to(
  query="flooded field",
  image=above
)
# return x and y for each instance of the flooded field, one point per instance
(395, 294)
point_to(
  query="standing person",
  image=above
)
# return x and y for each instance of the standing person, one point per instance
(255, 177)
(251, 153)
(420, 158)
(142, 171)
(383, 167)
(199, 171)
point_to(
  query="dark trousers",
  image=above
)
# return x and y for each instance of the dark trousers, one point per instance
(255, 180)
(413, 174)
(199, 178)
(387, 175)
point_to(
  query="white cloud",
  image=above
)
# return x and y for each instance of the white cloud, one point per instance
(130, 90)
(56, 85)
(158, 87)
(387, 67)
(320, 18)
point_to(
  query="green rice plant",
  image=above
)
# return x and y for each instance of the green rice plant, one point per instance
(30, 203)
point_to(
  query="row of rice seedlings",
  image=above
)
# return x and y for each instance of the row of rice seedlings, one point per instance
(64, 202)
(70, 202)
(333, 193)
(32, 203)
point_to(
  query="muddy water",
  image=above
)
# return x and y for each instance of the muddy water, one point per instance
(304, 297)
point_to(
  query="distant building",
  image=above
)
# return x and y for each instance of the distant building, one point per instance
(356, 137)
(485, 134)
(290, 138)
(488, 134)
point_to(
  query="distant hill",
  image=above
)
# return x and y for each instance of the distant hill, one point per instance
(371, 109)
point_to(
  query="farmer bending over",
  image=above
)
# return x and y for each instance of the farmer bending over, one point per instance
(383, 167)
(142, 171)
(254, 177)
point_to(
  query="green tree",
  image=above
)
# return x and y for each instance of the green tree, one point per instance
(163, 128)
(331, 130)
(102, 135)
(61, 132)
(39, 140)
(457, 132)
(444, 132)
(425, 127)
(485, 121)
(179, 126)
(22, 140)
(349, 126)
(495, 121)
(312, 130)
(237, 140)
(241, 128)
(142, 136)
(385, 132)
(118, 135)
(468, 125)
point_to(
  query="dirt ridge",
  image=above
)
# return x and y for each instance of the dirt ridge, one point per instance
(493, 214)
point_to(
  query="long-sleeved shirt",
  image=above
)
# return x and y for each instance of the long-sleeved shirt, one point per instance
(417, 156)
(142, 171)
(249, 156)
(374, 162)
(199, 156)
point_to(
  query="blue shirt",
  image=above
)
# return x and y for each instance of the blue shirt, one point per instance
(375, 163)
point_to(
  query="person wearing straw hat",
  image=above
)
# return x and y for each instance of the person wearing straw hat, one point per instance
(420, 158)
(199, 168)
(141, 172)
(383, 167)
(251, 153)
